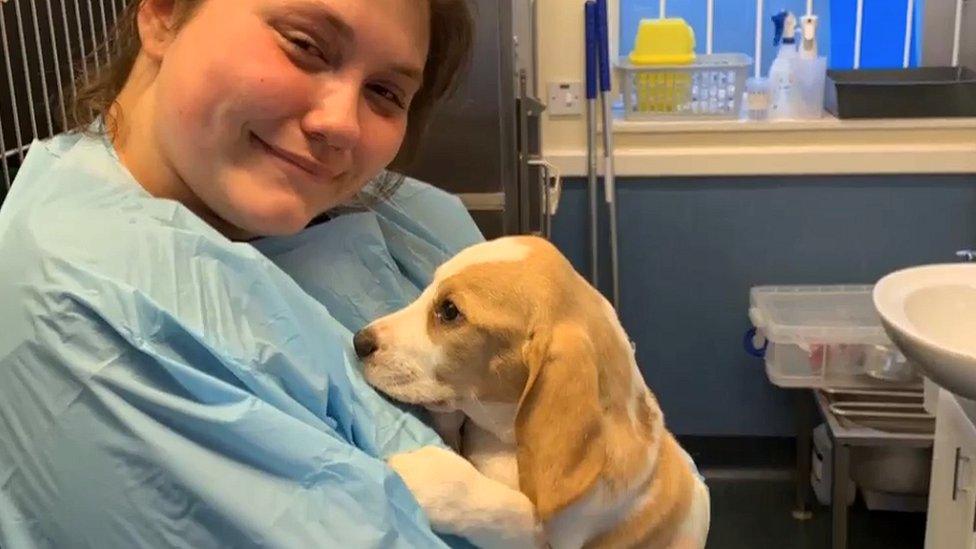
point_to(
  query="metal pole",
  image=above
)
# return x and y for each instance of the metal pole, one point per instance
(13, 92)
(805, 423)
(909, 21)
(40, 61)
(67, 41)
(3, 158)
(759, 30)
(609, 187)
(838, 498)
(81, 41)
(957, 34)
(25, 68)
(709, 25)
(101, 8)
(592, 84)
(94, 37)
(57, 60)
(858, 28)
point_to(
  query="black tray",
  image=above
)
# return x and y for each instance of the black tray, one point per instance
(927, 92)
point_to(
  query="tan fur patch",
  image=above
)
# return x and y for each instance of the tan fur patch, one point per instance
(667, 501)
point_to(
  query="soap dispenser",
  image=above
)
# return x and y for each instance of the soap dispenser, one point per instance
(810, 72)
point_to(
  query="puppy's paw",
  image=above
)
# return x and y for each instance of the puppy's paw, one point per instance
(460, 500)
(438, 479)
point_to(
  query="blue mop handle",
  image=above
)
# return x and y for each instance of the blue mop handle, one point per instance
(591, 50)
(602, 30)
(592, 82)
(603, 43)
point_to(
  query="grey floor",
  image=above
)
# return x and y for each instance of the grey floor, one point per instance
(755, 514)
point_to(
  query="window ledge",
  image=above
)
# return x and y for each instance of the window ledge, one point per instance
(828, 123)
(823, 147)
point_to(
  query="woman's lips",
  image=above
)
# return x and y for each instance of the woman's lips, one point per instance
(310, 167)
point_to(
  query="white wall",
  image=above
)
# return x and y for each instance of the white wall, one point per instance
(561, 50)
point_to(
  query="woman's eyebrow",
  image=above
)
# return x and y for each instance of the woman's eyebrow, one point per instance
(410, 71)
(338, 25)
(325, 16)
(328, 18)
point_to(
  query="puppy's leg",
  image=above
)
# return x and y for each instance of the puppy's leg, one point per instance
(460, 500)
(693, 534)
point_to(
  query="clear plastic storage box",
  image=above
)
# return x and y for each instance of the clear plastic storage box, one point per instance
(826, 336)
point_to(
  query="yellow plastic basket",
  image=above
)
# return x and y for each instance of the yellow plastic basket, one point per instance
(710, 87)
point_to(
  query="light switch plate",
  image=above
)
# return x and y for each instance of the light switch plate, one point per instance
(565, 98)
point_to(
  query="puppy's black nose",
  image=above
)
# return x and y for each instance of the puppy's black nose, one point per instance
(364, 342)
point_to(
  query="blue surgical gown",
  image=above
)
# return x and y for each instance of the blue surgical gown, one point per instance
(162, 386)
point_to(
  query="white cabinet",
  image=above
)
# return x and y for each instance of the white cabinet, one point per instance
(952, 495)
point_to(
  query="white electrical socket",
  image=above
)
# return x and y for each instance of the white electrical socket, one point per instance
(565, 98)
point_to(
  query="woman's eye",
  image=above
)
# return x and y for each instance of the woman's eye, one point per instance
(388, 95)
(304, 45)
(447, 311)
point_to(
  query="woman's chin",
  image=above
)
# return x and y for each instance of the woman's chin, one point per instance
(258, 222)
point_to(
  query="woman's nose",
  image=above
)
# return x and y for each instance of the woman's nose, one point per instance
(334, 118)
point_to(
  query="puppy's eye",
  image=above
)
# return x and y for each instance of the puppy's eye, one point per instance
(447, 311)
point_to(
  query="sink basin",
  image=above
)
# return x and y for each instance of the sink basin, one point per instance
(929, 312)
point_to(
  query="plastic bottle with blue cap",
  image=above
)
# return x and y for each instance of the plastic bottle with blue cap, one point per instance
(781, 73)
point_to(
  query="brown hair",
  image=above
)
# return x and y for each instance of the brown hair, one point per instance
(451, 30)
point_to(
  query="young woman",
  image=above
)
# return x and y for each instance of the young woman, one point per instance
(169, 377)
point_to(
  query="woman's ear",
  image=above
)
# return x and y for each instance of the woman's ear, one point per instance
(157, 26)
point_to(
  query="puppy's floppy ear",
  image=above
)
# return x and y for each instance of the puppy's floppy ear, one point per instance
(558, 427)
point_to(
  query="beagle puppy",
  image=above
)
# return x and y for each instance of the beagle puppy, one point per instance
(563, 444)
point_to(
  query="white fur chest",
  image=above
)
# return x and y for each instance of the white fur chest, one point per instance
(491, 456)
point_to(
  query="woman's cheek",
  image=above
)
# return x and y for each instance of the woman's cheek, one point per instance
(385, 138)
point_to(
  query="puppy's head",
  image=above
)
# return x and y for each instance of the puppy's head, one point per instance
(509, 322)
(463, 338)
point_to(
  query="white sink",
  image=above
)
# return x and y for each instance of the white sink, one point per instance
(930, 314)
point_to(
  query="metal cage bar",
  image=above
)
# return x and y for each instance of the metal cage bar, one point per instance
(44, 41)
(40, 61)
(57, 59)
(26, 67)
(14, 105)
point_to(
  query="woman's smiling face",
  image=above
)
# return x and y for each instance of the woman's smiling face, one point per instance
(273, 111)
